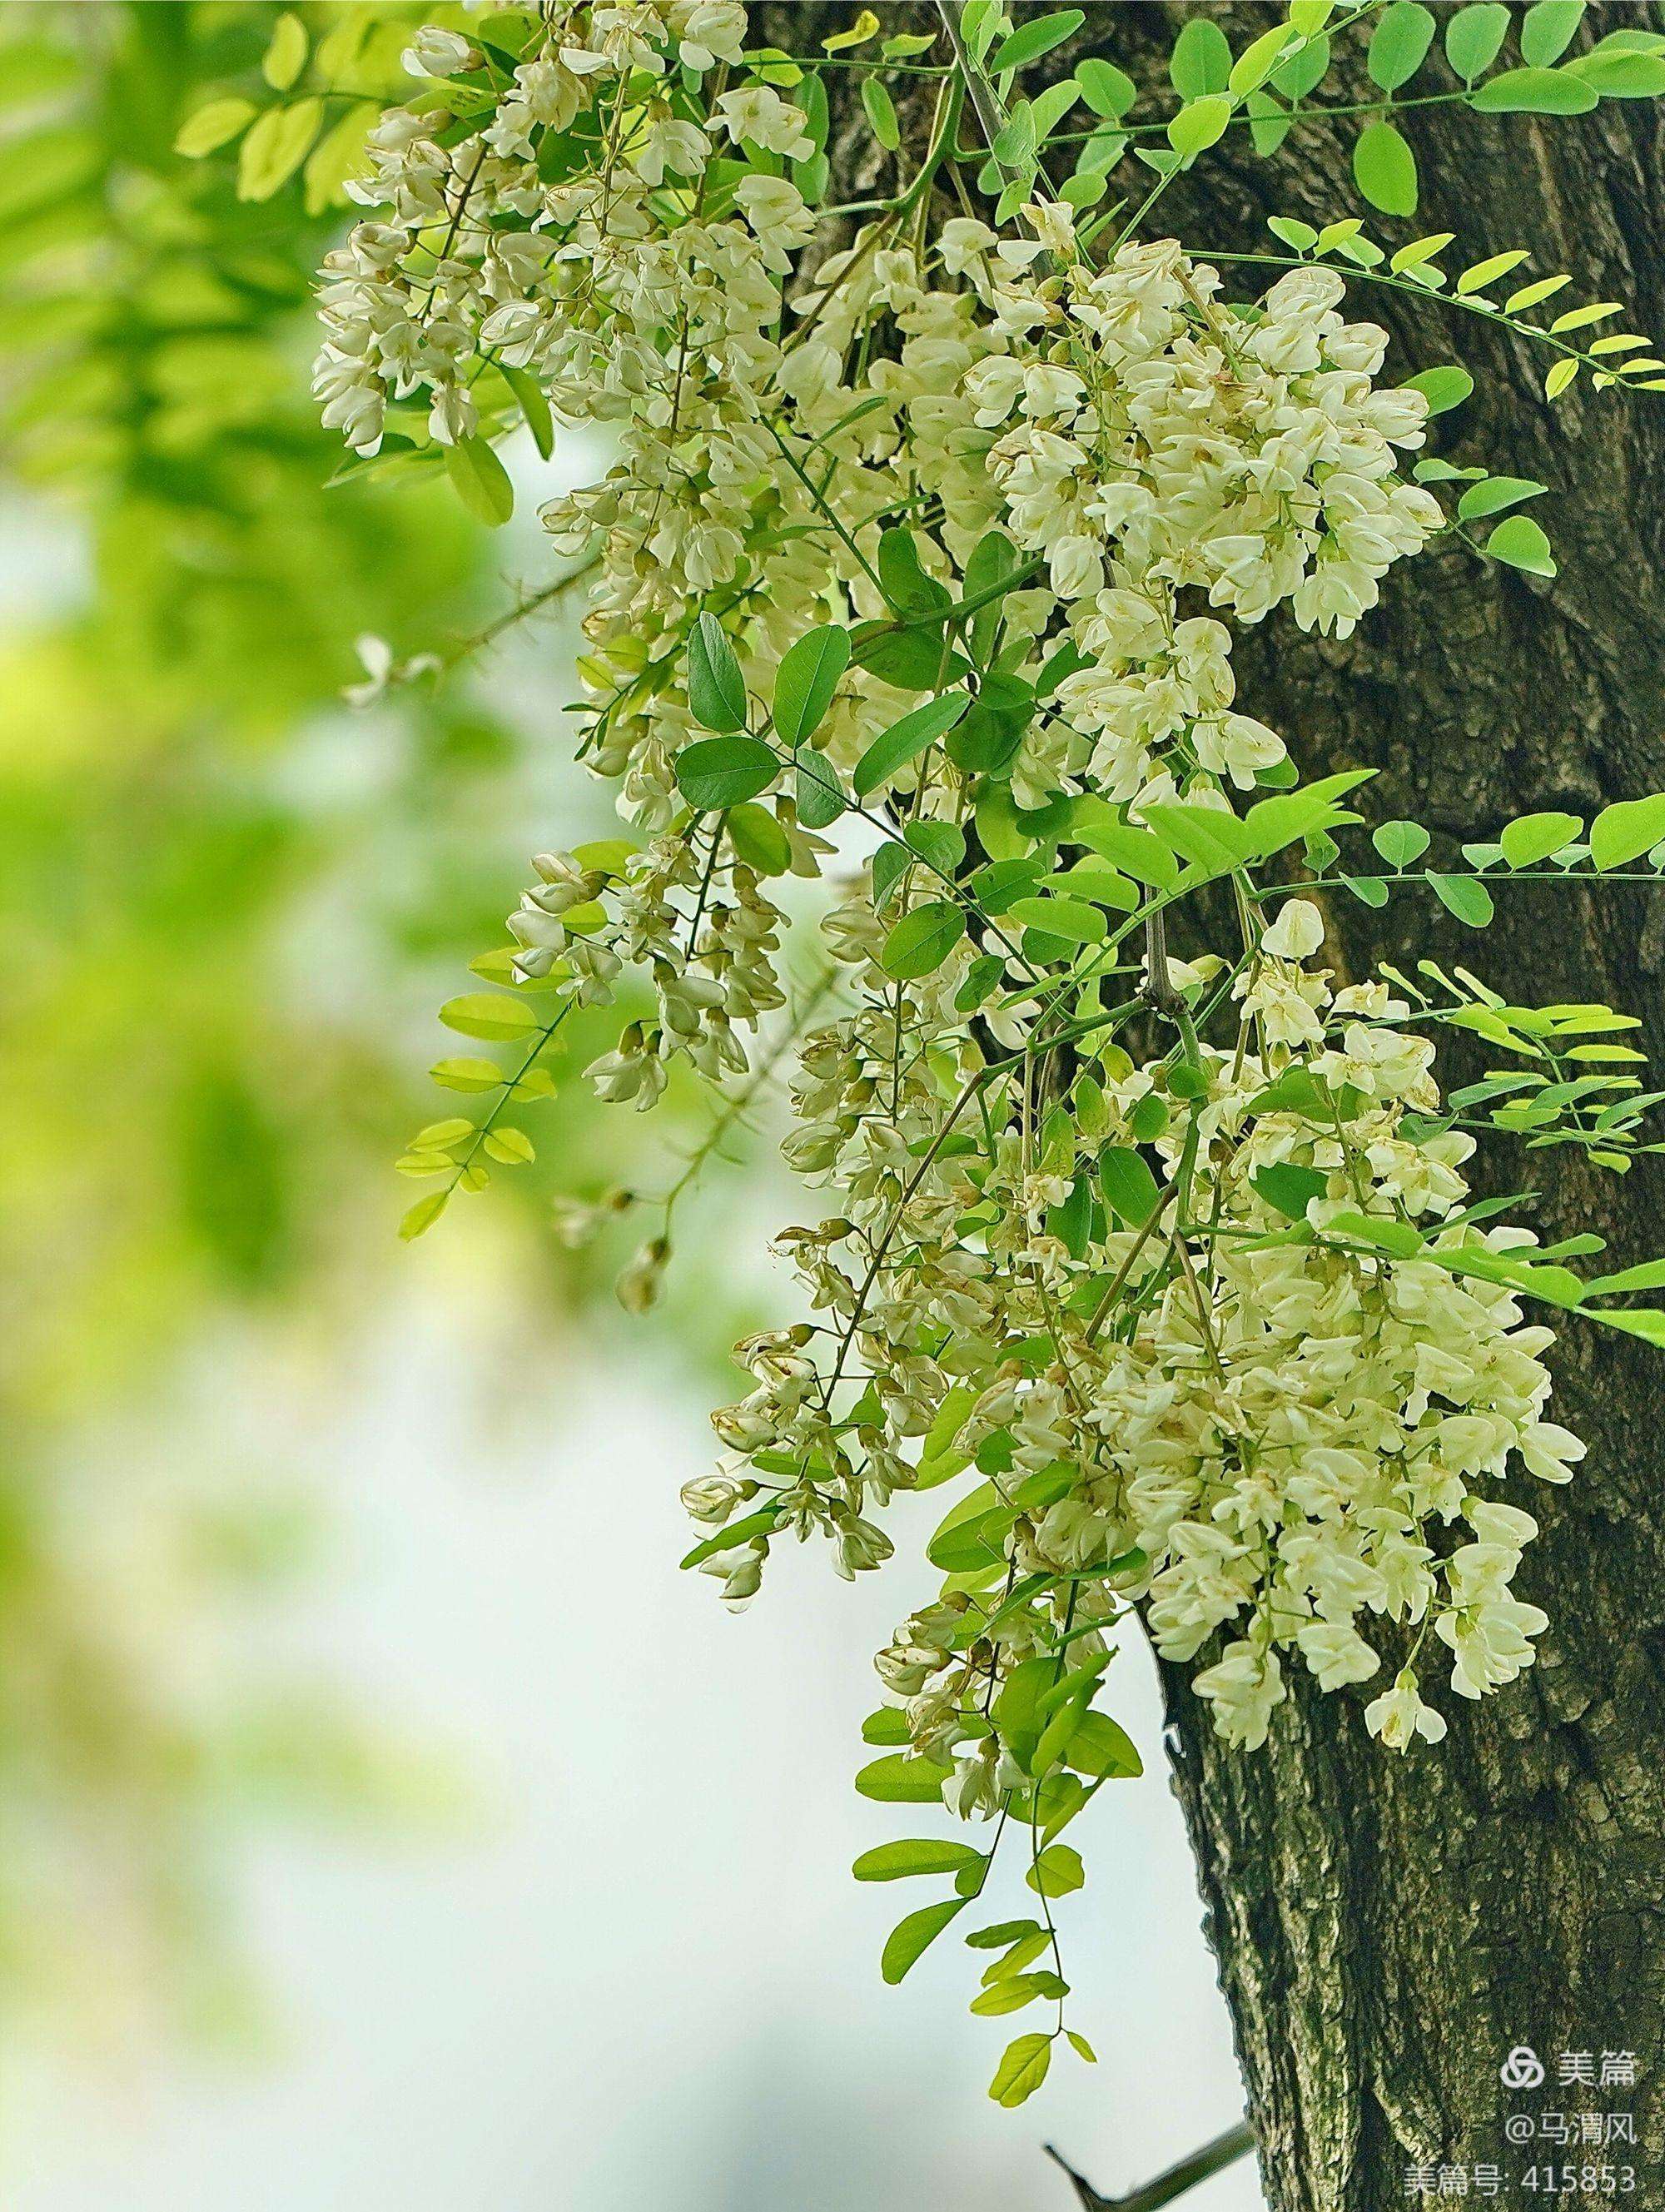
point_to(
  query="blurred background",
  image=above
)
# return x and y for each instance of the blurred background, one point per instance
(349, 1855)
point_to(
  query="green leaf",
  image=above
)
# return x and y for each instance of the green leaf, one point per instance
(1012, 1994)
(535, 407)
(1257, 61)
(482, 481)
(1003, 1932)
(864, 26)
(1055, 1740)
(1402, 844)
(1087, 879)
(1022, 2069)
(1102, 1748)
(1305, 67)
(899, 1780)
(718, 771)
(888, 1724)
(1057, 1871)
(910, 1937)
(286, 56)
(1271, 824)
(881, 114)
(1199, 122)
(1082, 2048)
(894, 747)
(1384, 167)
(897, 1862)
(970, 1531)
(820, 793)
(1399, 1239)
(1529, 296)
(276, 147)
(492, 1014)
(1546, 31)
(1070, 918)
(1465, 897)
(1369, 890)
(1646, 1322)
(1107, 90)
(1127, 846)
(213, 126)
(1296, 1091)
(1301, 236)
(1494, 494)
(1210, 837)
(992, 570)
(1474, 36)
(1202, 59)
(424, 1214)
(1050, 108)
(940, 844)
(922, 939)
(739, 1532)
(890, 864)
(512, 1147)
(716, 689)
(340, 154)
(1479, 274)
(1290, 1189)
(1014, 146)
(1648, 1275)
(1402, 39)
(1442, 388)
(1023, 1952)
(1130, 1189)
(1535, 92)
(1518, 541)
(1622, 833)
(1535, 837)
(904, 580)
(467, 1075)
(1149, 1118)
(1032, 40)
(759, 840)
(1616, 75)
(941, 1456)
(809, 673)
(440, 1136)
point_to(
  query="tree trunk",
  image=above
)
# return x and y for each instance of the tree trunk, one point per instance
(1387, 1929)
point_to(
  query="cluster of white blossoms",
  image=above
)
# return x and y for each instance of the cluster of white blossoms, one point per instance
(471, 252)
(1274, 1437)
(1228, 1404)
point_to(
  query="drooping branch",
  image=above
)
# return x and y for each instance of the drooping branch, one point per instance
(1202, 2166)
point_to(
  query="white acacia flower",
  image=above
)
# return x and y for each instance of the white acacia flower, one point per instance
(756, 114)
(437, 53)
(1297, 933)
(1399, 1715)
(382, 671)
(774, 207)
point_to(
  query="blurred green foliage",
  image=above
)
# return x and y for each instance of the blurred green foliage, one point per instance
(228, 907)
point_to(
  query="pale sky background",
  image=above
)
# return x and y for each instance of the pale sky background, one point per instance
(641, 1980)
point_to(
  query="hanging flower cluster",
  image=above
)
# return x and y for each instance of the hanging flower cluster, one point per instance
(916, 571)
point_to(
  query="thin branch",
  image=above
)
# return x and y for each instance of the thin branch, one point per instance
(982, 93)
(1200, 2166)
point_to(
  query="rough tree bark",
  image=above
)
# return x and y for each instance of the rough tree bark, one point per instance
(1388, 1929)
